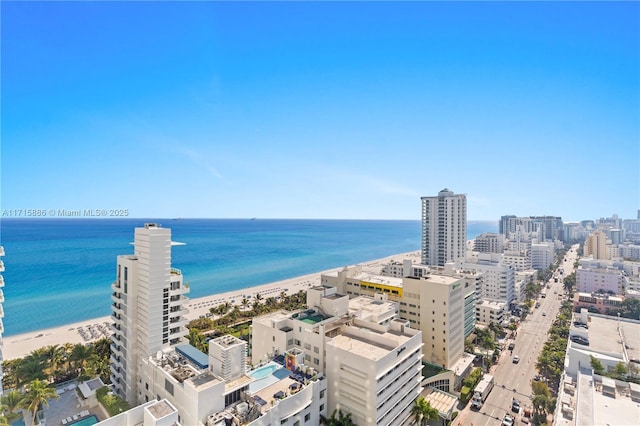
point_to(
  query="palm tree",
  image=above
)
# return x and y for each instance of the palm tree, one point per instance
(422, 411)
(244, 302)
(38, 392)
(79, 356)
(10, 402)
(30, 368)
(338, 418)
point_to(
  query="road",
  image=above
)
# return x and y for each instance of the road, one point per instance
(514, 380)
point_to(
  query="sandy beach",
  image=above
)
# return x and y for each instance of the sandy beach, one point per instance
(19, 345)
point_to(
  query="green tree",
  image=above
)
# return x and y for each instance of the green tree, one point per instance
(422, 411)
(10, 402)
(79, 356)
(244, 302)
(37, 395)
(338, 418)
(597, 366)
(30, 368)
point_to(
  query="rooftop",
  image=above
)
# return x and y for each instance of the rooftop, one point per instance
(607, 334)
(379, 279)
(161, 409)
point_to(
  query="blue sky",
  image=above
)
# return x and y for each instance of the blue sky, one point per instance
(321, 110)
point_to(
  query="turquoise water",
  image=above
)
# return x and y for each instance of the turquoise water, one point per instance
(19, 422)
(52, 263)
(262, 372)
(87, 421)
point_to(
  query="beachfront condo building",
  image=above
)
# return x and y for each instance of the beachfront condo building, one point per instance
(1, 314)
(371, 358)
(148, 307)
(444, 228)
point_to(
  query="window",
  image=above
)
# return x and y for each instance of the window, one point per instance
(307, 417)
(322, 393)
(168, 386)
(146, 386)
(321, 407)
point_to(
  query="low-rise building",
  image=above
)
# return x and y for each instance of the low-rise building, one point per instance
(587, 398)
(491, 311)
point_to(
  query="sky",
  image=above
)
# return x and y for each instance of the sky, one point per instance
(320, 110)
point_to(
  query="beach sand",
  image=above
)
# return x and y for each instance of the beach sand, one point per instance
(19, 345)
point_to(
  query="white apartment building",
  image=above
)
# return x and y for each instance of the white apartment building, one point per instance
(1, 314)
(491, 311)
(148, 307)
(444, 228)
(218, 388)
(489, 242)
(372, 361)
(499, 280)
(629, 251)
(521, 260)
(542, 255)
(374, 371)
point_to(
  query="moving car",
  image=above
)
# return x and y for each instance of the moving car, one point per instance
(544, 314)
(516, 359)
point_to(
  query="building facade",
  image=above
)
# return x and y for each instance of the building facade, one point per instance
(148, 308)
(444, 228)
(596, 245)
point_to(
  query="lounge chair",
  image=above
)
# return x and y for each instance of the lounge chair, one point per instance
(75, 417)
(84, 413)
(64, 421)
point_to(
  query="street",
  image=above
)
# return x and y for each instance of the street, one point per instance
(514, 380)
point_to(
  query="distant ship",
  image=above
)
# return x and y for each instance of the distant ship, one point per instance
(253, 218)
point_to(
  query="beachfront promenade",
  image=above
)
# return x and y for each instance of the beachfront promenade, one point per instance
(17, 346)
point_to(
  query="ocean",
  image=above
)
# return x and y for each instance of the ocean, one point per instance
(59, 271)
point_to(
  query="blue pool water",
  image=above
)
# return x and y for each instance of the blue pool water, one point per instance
(19, 422)
(87, 421)
(265, 371)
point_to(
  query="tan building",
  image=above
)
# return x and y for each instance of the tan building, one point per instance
(433, 303)
(596, 245)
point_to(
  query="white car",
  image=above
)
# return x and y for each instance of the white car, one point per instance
(516, 359)
(507, 421)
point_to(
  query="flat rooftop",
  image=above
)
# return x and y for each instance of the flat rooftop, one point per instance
(596, 408)
(160, 409)
(369, 304)
(372, 345)
(604, 336)
(378, 279)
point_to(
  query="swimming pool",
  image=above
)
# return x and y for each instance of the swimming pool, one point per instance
(87, 421)
(264, 371)
(18, 422)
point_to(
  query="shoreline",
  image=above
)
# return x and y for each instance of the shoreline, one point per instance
(19, 345)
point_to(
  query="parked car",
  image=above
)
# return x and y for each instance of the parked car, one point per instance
(508, 420)
(516, 359)
(544, 314)
(515, 406)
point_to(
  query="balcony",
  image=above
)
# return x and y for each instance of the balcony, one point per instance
(115, 287)
(1, 281)
(1, 266)
(119, 309)
(1, 296)
(1, 251)
(115, 351)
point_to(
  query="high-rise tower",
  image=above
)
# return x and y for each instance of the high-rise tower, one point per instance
(148, 307)
(444, 227)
